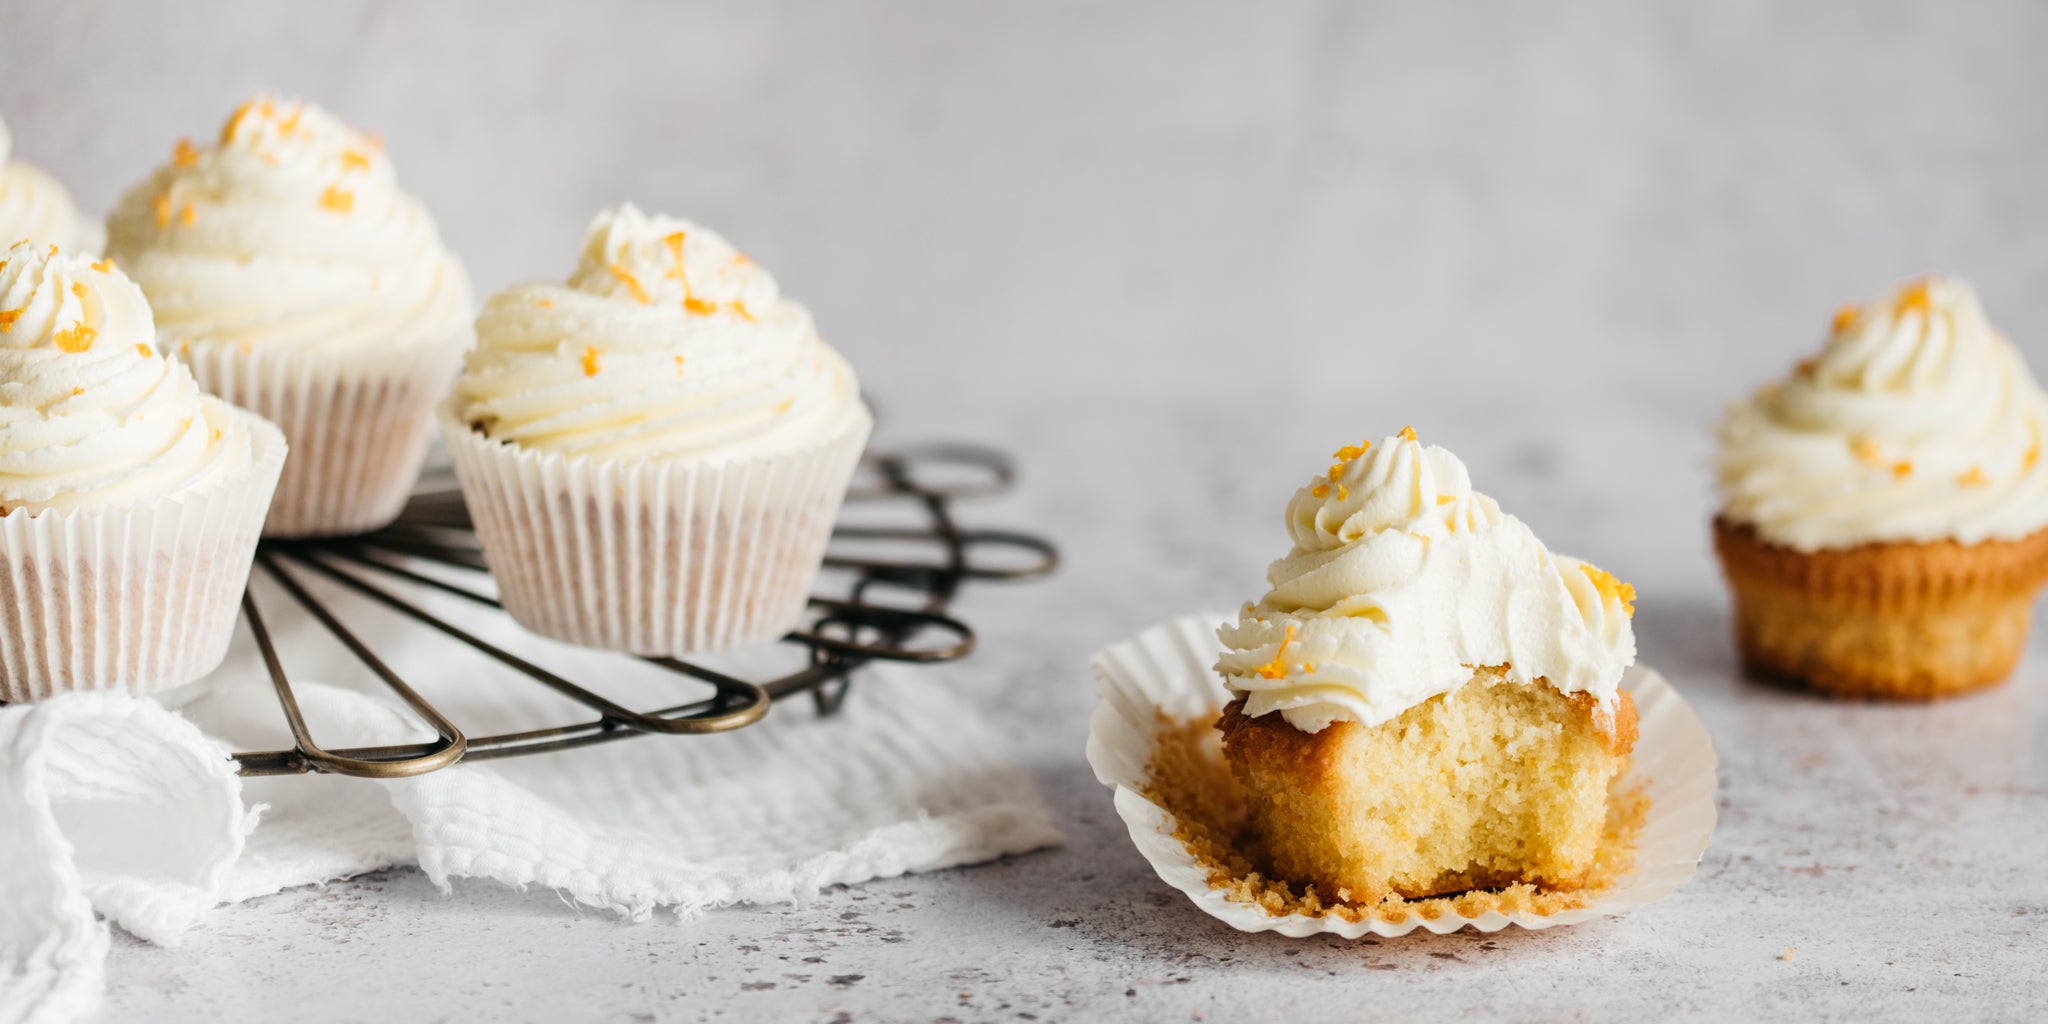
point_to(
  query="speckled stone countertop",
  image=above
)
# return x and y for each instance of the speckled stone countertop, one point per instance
(1172, 255)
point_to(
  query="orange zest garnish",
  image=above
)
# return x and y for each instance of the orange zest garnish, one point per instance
(1845, 314)
(632, 283)
(105, 266)
(1866, 451)
(53, 251)
(1350, 451)
(186, 215)
(544, 303)
(75, 392)
(741, 309)
(1913, 297)
(76, 339)
(675, 251)
(1320, 490)
(1336, 471)
(698, 307)
(1608, 586)
(78, 288)
(1277, 668)
(337, 200)
(184, 154)
(679, 364)
(1902, 469)
(163, 211)
(9, 316)
(290, 125)
(590, 364)
(1444, 499)
(1407, 433)
(1974, 478)
(1343, 494)
(354, 161)
(143, 350)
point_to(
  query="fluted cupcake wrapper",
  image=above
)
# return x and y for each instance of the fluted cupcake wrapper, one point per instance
(358, 423)
(1165, 675)
(653, 557)
(139, 598)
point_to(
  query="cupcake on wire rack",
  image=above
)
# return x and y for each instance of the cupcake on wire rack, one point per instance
(35, 206)
(654, 452)
(130, 502)
(288, 270)
(1884, 511)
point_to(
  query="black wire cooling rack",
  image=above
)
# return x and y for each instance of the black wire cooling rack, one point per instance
(842, 634)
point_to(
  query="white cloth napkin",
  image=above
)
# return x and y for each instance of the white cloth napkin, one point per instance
(119, 806)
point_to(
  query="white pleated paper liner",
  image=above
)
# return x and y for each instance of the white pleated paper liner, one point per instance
(654, 557)
(358, 422)
(1166, 675)
(138, 598)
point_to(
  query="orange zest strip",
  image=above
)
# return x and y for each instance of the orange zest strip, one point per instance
(679, 364)
(1974, 478)
(1320, 490)
(75, 392)
(1277, 668)
(143, 350)
(184, 154)
(78, 288)
(9, 316)
(163, 211)
(741, 309)
(1608, 586)
(1847, 313)
(75, 339)
(590, 362)
(544, 303)
(632, 283)
(354, 161)
(1866, 451)
(1343, 493)
(1902, 469)
(1913, 297)
(1407, 433)
(105, 266)
(337, 200)
(186, 216)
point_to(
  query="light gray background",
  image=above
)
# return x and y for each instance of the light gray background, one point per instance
(1172, 255)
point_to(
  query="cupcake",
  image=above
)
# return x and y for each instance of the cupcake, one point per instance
(1884, 511)
(297, 281)
(1427, 700)
(35, 206)
(130, 501)
(654, 453)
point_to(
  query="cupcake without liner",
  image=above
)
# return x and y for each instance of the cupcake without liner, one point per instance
(35, 206)
(292, 275)
(1884, 510)
(655, 452)
(130, 501)
(1428, 699)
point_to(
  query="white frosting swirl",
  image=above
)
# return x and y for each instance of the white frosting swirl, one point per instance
(35, 207)
(289, 233)
(666, 343)
(1917, 422)
(1402, 581)
(92, 415)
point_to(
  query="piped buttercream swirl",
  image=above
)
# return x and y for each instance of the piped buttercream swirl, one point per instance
(666, 342)
(288, 232)
(36, 207)
(92, 414)
(1403, 580)
(1917, 422)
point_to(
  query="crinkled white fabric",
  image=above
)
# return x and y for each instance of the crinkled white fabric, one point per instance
(905, 779)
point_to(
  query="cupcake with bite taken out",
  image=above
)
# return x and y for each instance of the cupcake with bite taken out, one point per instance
(1884, 511)
(654, 452)
(130, 501)
(295, 278)
(1427, 700)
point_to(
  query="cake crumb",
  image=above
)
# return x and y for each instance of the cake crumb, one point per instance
(1787, 954)
(1188, 777)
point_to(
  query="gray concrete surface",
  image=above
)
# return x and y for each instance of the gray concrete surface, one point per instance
(1173, 254)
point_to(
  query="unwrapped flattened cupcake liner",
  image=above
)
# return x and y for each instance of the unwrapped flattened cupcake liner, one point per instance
(359, 424)
(660, 557)
(1164, 676)
(139, 598)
